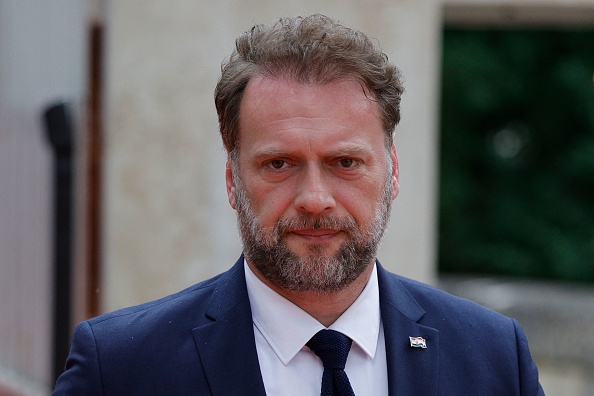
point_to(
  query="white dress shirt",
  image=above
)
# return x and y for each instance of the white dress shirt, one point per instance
(282, 329)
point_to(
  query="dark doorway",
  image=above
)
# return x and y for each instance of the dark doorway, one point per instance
(517, 153)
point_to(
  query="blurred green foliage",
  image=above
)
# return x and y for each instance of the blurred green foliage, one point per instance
(517, 153)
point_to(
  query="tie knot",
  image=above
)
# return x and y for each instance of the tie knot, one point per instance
(332, 347)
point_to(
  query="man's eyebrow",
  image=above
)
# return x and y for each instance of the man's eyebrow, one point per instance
(350, 150)
(271, 152)
(345, 150)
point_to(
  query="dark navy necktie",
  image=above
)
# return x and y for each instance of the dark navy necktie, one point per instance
(333, 347)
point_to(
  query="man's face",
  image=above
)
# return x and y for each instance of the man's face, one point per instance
(313, 182)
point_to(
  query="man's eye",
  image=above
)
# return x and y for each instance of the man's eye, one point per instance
(347, 163)
(277, 164)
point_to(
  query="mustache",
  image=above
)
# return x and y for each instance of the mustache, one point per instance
(285, 226)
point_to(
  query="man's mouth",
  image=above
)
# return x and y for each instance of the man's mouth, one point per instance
(316, 235)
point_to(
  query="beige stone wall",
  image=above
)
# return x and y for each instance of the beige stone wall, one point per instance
(168, 223)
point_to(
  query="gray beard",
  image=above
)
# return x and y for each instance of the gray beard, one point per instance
(266, 248)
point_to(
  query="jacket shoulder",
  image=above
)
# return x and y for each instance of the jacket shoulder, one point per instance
(150, 348)
(489, 348)
(438, 302)
(195, 296)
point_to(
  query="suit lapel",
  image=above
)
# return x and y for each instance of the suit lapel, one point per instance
(411, 371)
(227, 346)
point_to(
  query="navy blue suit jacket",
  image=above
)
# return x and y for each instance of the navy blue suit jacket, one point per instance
(200, 341)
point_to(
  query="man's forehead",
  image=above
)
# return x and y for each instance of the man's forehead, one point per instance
(268, 94)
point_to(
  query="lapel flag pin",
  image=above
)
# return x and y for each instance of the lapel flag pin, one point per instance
(417, 342)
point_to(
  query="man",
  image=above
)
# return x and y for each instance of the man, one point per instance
(307, 110)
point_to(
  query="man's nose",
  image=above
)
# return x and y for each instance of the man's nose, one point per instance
(314, 193)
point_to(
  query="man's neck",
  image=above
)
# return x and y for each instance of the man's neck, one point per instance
(324, 307)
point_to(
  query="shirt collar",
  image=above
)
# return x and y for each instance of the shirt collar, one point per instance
(287, 328)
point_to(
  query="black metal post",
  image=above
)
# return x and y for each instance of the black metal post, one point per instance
(61, 138)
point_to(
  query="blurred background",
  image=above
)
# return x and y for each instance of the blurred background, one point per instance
(112, 185)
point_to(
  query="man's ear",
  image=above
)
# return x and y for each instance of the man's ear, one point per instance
(395, 172)
(231, 191)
